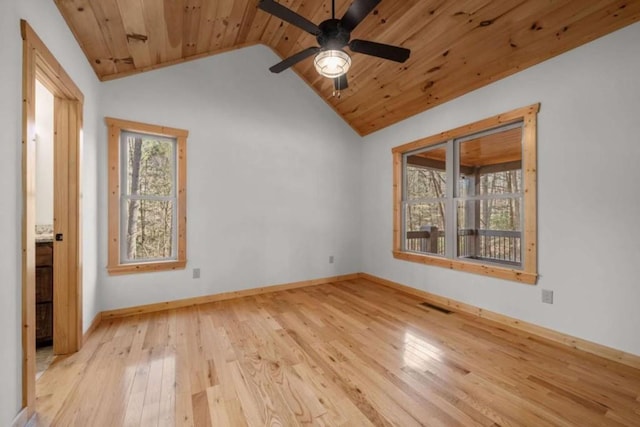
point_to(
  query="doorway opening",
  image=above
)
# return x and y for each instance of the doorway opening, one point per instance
(44, 206)
(63, 256)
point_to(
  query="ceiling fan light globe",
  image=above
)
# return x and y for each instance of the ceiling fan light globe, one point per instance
(332, 63)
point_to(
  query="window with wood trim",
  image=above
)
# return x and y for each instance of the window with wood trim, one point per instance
(147, 197)
(465, 199)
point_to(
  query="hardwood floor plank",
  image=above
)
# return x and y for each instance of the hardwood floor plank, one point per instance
(254, 408)
(166, 416)
(184, 406)
(217, 407)
(151, 405)
(135, 404)
(201, 414)
(340, 354)
(340, 410)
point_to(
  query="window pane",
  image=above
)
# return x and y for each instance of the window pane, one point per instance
(507, 182)
(427, 175)
(150, 164)
(490, 229)
(491, 164)
(425, 228)
(148, 232)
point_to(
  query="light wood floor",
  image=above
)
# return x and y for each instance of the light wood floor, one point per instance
(44, 358)
(349, 353)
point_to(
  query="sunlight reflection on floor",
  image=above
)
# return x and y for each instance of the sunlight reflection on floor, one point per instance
(418, 353)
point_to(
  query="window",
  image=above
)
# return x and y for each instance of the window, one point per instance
(466, 199)
(147, 197)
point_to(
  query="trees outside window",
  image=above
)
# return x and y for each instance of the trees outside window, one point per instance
(147, 204)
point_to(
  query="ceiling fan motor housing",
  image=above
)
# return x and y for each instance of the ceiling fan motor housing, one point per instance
(333, 35)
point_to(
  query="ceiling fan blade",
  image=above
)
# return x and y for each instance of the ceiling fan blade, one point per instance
(358, 10)
(386, 51)
(288, 15)
(340, 83)
(294, 59)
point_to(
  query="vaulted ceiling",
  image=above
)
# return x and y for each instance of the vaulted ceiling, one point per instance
(456, 45)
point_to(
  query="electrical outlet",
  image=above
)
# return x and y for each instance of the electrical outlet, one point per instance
(547, 296)
(196, 273)
(331, 259)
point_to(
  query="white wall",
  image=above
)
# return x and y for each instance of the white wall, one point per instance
(47, 22)
(273, 177)
(44, 155)
(588, 206)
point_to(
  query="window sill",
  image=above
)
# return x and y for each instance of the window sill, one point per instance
(146, 267)
(470, 267)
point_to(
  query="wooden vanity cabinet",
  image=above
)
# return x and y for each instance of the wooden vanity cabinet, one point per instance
(44, 294)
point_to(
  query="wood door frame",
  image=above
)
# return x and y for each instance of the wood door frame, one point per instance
(39, 63)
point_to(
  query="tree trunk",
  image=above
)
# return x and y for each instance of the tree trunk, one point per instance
(511, 201)
(438, 194)
(516, 189)
(166, 247)
(136, 157)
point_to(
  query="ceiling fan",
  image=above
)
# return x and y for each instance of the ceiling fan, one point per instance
(333, 35)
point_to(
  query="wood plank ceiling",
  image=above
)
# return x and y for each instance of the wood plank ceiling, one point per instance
(456, 46)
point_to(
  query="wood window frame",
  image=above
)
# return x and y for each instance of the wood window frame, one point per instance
(115, 128)
(528, 274)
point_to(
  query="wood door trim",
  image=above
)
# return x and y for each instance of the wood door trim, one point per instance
(39, 62)
(48, 69)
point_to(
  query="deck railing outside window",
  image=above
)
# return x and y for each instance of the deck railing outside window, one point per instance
(489, 245)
